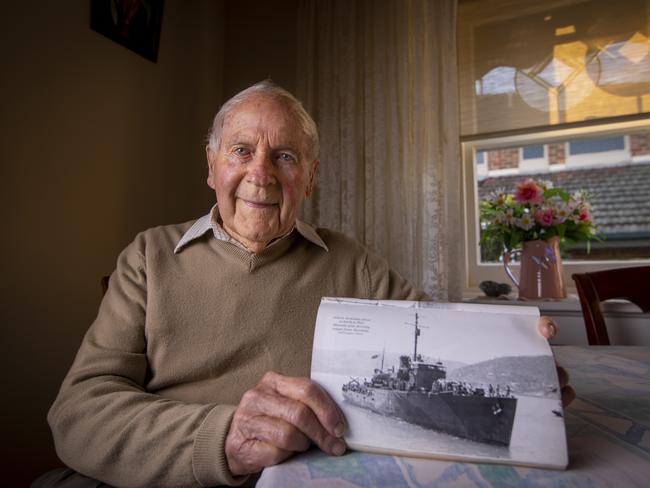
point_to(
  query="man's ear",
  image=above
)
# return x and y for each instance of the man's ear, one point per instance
(210, 156)
(312, 178)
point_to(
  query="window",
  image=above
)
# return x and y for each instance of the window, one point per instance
(532, 64)
(534, 151)
(558, 91)
(618, 190)
(591, 146)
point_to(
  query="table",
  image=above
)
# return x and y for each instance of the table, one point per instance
(608, 434)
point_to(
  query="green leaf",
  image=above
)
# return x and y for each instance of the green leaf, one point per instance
(557, 192)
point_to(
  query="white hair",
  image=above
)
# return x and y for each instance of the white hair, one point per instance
(268, 89)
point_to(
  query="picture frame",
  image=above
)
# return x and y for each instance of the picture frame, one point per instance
(135, 24)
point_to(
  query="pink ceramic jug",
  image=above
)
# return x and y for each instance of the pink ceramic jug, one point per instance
(540, 274)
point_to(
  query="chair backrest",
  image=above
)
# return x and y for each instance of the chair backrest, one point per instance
(630, 284)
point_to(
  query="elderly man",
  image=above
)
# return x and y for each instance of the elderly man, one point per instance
(193, 373)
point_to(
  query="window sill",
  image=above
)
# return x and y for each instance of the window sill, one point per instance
(626, 323)
(570, 304)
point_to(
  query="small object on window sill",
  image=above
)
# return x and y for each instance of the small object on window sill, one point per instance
(493, 289)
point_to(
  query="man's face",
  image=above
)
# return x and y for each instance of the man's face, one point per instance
(259, 173)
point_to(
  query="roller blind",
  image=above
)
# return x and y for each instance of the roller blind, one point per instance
(526, 64)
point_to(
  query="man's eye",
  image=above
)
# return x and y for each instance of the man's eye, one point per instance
(286, 157)
(241, 151)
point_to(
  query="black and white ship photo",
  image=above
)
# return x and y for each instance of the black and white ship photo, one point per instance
(454, 381)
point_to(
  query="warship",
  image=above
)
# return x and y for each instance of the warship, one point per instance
(419, 393)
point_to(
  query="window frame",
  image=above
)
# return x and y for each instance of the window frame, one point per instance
(475, 272)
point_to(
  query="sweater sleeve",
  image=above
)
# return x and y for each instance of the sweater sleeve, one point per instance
(107, 426)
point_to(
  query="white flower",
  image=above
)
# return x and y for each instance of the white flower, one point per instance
(578, 196)
(498, 197)
(526, 222)
(573, 204)
(561, 212)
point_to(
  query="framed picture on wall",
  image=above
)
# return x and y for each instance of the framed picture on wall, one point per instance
(135, 24)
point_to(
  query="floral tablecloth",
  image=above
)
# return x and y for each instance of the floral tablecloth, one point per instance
(608, 430)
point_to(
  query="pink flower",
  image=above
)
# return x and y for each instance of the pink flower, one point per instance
(585, 215)
(544, 216)
(529, 192)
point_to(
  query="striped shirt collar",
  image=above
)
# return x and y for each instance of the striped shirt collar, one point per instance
(210, 222)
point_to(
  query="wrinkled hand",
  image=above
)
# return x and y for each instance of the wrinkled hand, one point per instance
(279, 416)
(548, 328)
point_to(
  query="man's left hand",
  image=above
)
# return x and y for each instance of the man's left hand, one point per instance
(549, 328)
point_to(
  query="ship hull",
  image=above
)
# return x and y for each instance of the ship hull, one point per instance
(478, 418)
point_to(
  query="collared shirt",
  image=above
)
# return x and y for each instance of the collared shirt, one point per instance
(210, 221)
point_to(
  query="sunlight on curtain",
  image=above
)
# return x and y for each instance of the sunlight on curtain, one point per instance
(379, 77)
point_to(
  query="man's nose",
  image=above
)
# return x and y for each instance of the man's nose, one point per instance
(261, 170)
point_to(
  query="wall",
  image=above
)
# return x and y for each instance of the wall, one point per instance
(503, 158)
(557, 153)
(96, 143)
(260, 43)
(640, 144)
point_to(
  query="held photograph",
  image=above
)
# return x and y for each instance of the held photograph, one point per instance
(452, 381)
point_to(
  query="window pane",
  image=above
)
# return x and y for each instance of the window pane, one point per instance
(527, 63)
(614, 171)
(534, 151)
(587, 146)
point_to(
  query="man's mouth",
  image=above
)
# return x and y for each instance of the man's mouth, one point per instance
(258, 204)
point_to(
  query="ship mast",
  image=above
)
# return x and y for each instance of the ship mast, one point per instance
(417, 333)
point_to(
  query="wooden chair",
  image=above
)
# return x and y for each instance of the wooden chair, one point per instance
(632, 284)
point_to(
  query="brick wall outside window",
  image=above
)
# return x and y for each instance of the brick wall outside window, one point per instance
(503, 159)
(556, 153)
(640, 144)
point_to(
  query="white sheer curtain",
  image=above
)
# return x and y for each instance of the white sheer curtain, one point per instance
(379, 76)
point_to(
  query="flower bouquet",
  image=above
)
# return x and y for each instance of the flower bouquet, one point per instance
(536, 211)
(537, 218)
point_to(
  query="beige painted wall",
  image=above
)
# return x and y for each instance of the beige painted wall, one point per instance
(260, 43)
(96, 144)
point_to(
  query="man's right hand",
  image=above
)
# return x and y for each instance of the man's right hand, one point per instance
(279, 416)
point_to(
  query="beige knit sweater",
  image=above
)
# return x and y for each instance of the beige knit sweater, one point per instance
(180, 337)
